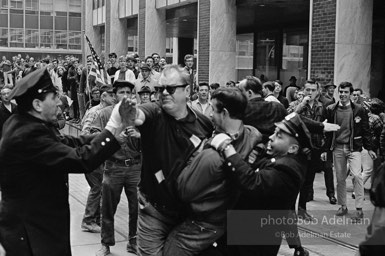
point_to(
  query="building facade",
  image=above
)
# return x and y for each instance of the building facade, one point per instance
(329, 40)
(40, 28)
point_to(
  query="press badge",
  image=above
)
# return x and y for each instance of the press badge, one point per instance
(159, 176)
(195, 140)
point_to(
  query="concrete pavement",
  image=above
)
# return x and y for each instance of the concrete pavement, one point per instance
(329, 235)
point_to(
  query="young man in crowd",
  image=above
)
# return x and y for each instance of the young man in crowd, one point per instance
(346, 145)
(122, 170)
(91, 218)
(203, 104)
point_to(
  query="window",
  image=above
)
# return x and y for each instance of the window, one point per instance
(46, 40)
(31, 38)
(4, 37)
(31, 4)
(61, 22)
(75, 5)
(244, 55)
(16, 18)
(94, 4)
(169, 45)
(16, 37)
(46, 6)
(31, 19)
(132, 43)
(75, 21)
(16, 4)
(61, 39)
(74, 40)
(4, 4)
(294, 54)
(266, 59)
(4, 17)
(103, 37)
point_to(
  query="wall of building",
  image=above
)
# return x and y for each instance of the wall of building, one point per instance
(323, 40)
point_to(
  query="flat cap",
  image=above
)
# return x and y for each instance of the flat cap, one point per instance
(106, 88)
(123, 83)
(145, 67)
(32, 85)
(330, 84)
(144, 89)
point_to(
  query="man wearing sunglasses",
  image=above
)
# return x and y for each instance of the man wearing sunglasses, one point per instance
(170, 133)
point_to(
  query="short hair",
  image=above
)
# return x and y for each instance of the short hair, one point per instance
(184, 78)
(45, 60)
(344, 85)
(311, 81)
(188, 56)
(359, 89)
(214, 86)
(152, 55)
(232, 99)
(254, 84)
(112, 55)
(269, 85)
(122, 58)
(204, 84)
(88, 56)
(55, 60)
(279, 81)
(148, 57)
(232, 83)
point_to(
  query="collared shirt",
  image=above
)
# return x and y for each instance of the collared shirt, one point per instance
(153, 74)
(88, 118)
(150, 82)
(130, 149)
(204, 109)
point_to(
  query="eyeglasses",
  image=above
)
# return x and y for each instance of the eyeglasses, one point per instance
(170, 89)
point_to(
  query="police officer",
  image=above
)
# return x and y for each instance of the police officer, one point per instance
(271, 183)
(35, 162)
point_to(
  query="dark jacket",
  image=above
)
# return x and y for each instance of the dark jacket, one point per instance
(359, 137)
(5, 114)
(204, 185)
(263, 114)
(315, 113)
(35, 162)
(270, 187)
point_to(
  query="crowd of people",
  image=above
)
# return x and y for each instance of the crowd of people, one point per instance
(185, 152)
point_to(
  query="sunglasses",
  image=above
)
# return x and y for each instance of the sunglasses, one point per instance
(170, 89)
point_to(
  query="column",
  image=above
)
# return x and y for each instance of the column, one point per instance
(151, 29)
(353, 42)
(116, 30)
(216, 40)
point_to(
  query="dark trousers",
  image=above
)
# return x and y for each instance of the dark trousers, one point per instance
(92, 212)
(115, 178)
(307, 187)
(328, 174)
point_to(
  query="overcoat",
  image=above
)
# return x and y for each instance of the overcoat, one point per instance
(35, 162)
